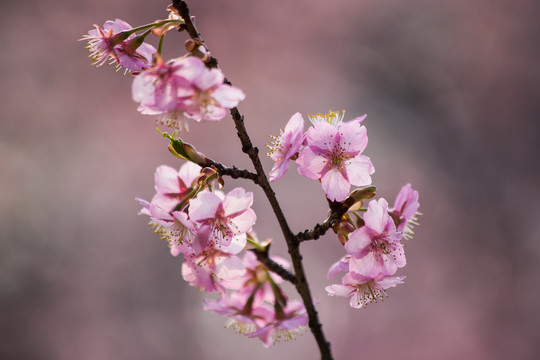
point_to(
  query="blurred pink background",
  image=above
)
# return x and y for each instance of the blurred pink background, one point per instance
(451, 92)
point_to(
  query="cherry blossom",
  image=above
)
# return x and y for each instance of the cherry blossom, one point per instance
(115, 42)
(172, 186)
(333, 155)
(284, 324)
(364, 289)
(211, 97)
(375, 247)
(223, 219)
(210, 268)
(246, 315)
(164, 89)
(286, 146)
(405, 212)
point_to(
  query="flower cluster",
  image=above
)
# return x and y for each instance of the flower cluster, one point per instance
(331, 153)
(182, 88)
(213, 230)
(175, 90)
(210, 229)
(116, 43)
(374, 249)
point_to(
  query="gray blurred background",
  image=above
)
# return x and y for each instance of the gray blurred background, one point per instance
(451, 90)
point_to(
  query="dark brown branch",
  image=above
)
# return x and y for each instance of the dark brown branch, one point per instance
(274, 266)
(234, 172)
(292, 243)
(336, 212)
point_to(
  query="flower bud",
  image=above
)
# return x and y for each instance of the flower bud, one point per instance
(343, 228)
(355, 199)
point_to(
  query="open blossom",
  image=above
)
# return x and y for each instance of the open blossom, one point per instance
(246, 315)
(363, 289)
(283, 325)
(405, 212)
(114, 44)
(165, 88)
(183, 88)
(376, 246)
(257, 278)
(223, 219)
(211, 98)
(175, 227)
(173, 186)
(286, 146)
(333, 155)
(210, 268)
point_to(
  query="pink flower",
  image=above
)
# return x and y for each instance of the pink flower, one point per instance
(173, 186)
(283, 325)
(211, 98)
(174, 227)
(256, 278)
(114, 42)
(245, 314)
(341, 265)
(165, 88)
(210, 268)
(333, 155)
(286, 146)
(375, 247)
(184, 88)
(363, 289)
(223, 219)
(405, 212)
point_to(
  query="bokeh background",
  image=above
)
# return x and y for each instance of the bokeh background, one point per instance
(451, 89)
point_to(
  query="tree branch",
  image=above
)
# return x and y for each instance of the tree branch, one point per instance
(292, 243)
(273, 266)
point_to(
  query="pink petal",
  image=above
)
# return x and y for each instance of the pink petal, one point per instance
(204, 206)
(353, 137)
(339, 290)
(229, 267)
(278, 170)
(166, 180)
(189, 172)
(310, 164)
(335, 185)
(359, 243)
(376, 215)
(208, 78)
(356, 300)
(359, 170)
(236, 245)
(237, 201)
(322, 137)
(245, 221)
(228, 96)
(367, 267)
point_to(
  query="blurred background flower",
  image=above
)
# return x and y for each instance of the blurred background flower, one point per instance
(451, 92)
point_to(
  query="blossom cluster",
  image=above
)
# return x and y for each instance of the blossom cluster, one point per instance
(331, 152)
(213, 230)
(174, 90)
(210, 229)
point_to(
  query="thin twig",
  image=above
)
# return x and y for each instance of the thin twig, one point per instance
(292, 243)
(274, 266)
(233, 172)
